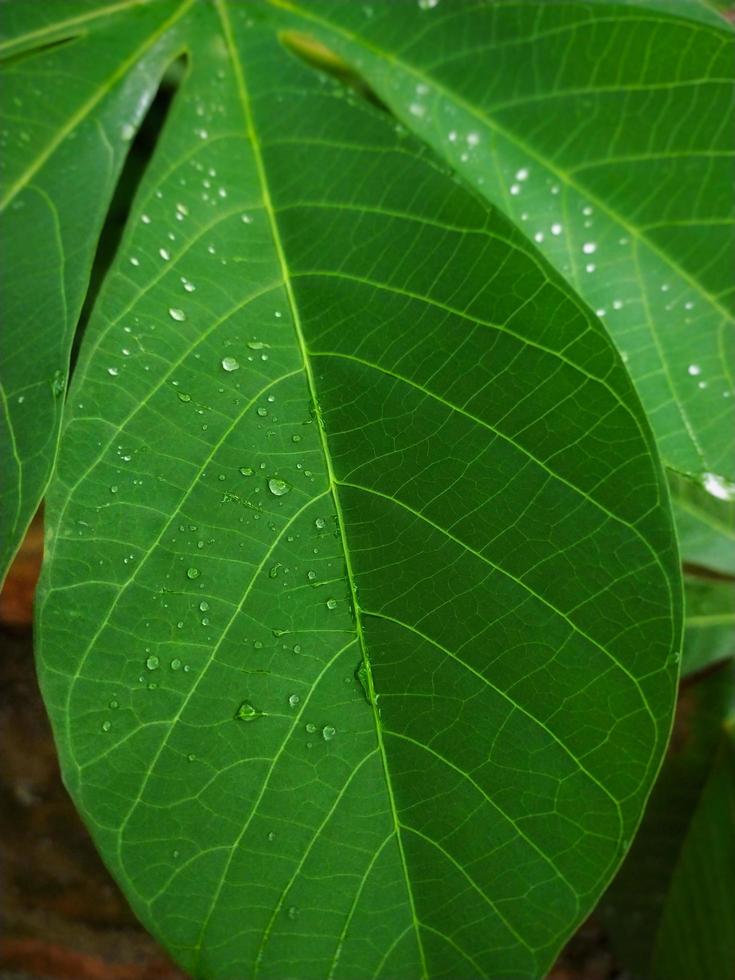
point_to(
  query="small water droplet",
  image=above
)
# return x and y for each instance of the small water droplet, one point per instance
(246, 470)
(230, 363)
(589, 248)
(278, 487)
(331, 603)
(310, 727)
(718, 486)
(328, 732)
(114, 704)
(319, 523)
(694, 370)
(176, 664)
(106, 726)
(184, 396)
(293, 700)
(192, 573)
(113, 371)
(164, 253)
(152, 662)
(246, 712)
(176, 314)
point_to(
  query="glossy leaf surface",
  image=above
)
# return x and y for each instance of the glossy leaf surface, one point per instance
(359, 624)
(605, 130)
(61, 156)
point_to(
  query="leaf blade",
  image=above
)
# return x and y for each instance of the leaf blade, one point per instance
(186, 527)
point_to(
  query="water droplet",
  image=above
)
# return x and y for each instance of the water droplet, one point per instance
(328, 732)
(257, 345)
(164, 253)
(127, 132)
(311, 575)
(176, 314)
(522, 174)
(203, 605)
(293, 700)
(292, 912)
(331, 603)
(114, 488)
(319, 523)
(694, 370)
(152, 662)
(262, 411)
(515, 190)
(114, 704)
(718, 486)
(278, 487)
(246, 470)
(230, 363)
(190, 757)
(176, 664)
(113, 371)
(310, 727)
(556, 229)
(271, 835)
(184, 396)
(589, 248)
(106, 726)
(246, 712)
(192, 573)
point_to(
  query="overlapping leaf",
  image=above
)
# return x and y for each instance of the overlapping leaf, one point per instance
(605, 129)
(70, 108)
(359, 623)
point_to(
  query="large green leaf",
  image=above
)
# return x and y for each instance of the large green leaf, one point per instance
(359, 623)
(61, 155)
(669, 910)
(605, 129)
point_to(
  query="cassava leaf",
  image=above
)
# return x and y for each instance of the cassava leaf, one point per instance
(705, 525)
(61, 156)
(709, 633)
(605, 130)
(696, 937)
(669, 910)
(359, 621)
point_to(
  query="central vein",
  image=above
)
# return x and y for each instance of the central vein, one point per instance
(313, 392)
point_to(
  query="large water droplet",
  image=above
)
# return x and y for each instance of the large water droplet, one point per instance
(230, 363)
(192, 573)
(278, 487)
(152, 662)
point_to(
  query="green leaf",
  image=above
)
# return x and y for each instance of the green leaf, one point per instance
(61, 157)
(603, 128)
(705, 524)
(696, 938)
(709, 633)
(360, 616)
(672, 866)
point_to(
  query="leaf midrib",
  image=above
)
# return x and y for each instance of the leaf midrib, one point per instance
(221, 6)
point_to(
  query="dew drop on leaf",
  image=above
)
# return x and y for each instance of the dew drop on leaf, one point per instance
(278, 487)
(246, 712)
(192, 573)
(176, 314)
(230, 363)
